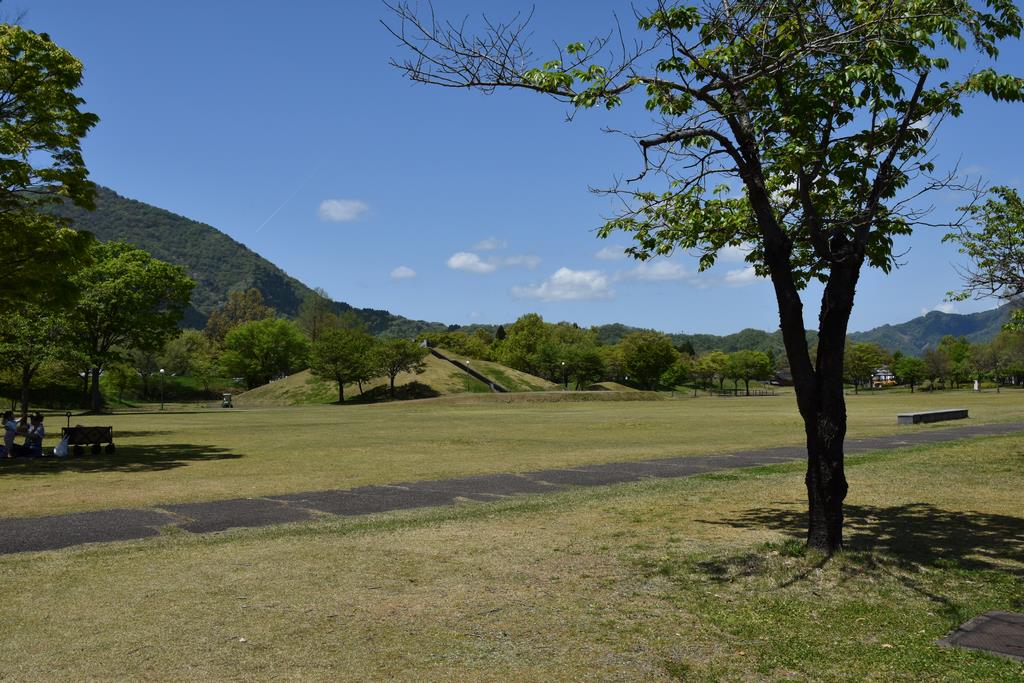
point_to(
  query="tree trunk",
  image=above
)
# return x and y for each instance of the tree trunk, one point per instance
(746, 385)
(26, 379)
(96, 399)
(392, 389)
(341, 391)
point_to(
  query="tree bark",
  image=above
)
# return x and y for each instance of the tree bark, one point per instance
(341, 391)
(96, 399)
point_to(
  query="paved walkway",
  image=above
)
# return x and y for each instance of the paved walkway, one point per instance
(61, 531)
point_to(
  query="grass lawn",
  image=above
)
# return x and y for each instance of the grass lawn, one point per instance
(696, 579)
(190, 455)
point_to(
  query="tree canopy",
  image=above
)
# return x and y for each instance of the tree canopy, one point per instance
(41, 127)
(128, 299)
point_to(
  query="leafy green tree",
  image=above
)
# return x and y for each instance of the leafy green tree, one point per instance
(316, 315)
(145, 363)
(41, 127)
(936, 365)
(718, 362)
(343, 355)
(646, 356)
(861, 361)
(799, 130)
(395, 356)
(522, 343)
(680, 371)
(705, 369)
(29, 338)
(909, 370)
(121, 376)
(128, 299)
(241, 307)
(961, 361)
(747, 365)
(995, 247)
(179, 353)
(260, 350)
(584, 364)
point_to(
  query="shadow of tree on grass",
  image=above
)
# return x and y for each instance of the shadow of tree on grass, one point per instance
(127, 459)
(913, 534)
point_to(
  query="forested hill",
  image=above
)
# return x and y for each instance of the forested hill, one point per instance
(914, 336)
(911, 337)
(217, 263)
(754, 340)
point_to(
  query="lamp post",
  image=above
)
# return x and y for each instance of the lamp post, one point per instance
(161, 388)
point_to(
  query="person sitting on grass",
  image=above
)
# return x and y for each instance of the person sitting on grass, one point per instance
(34, 437)
(10, 431)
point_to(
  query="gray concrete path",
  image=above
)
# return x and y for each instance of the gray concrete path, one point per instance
(60, 531)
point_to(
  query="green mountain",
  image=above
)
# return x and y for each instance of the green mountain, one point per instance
(914, 336)
(216, 262)
(911, 337)
(754, 340)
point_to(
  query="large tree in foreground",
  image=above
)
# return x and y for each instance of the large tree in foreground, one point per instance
(799, 129)
(41, 127)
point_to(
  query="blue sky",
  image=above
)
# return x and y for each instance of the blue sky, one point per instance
(283, 125)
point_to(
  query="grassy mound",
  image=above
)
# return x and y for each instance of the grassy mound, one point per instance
(441, 378)
(610, 386)
(513, 380)
(303, 388)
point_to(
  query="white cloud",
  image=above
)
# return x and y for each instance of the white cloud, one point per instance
(489, 244)
(944, 307)
(741, 276)
(524, 260)
(568, 285)
(470, 262)
(342, 210)
(612, 252)
(402, 273)
(734, 254)
(657, 271)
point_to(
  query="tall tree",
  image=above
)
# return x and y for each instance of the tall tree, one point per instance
(798, 128)
(128, 299)
(343, 355)
(316, 315)
(395, 356)
(860, 362)
(909, 370)
(260, 350)
(646, 356)
(29, 338)
(746, 365)
(41, 127)
(241, 307)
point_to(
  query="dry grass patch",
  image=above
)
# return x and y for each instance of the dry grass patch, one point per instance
(194, 455)
(694, 579)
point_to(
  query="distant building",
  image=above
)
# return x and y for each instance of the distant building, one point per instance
(882, 377)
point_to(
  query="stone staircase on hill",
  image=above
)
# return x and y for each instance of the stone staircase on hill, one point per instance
(471, 371)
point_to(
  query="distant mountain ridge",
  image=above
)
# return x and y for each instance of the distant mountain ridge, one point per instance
(914, 336)
(218, 263)
(910, 338)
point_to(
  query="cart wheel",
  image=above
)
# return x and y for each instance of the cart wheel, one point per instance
(79, 451)
(111, 448)
(96, 449)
